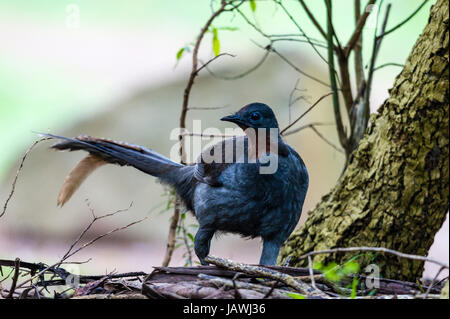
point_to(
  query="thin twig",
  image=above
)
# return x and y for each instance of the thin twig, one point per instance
(306, 112)
(186, 243)
(15, 277)
(208, 107)
(311, 273)
(241, 75)
(313, 19)
(17, 173)
(377, 249)
(104, 235)
(293, 100)
(375, 50)
(388, 64)
(300, 29)
(213, 59)
(359, 69)
(38, 274)
(208, 135)
(404, 21)
(237, 294)
(359, 27)
(303, 127)
(296, 68)
(433, 281)
(320, 45)
(327, 140)
(272, 289)
(94, 219)
(312, 126)
(336, 105)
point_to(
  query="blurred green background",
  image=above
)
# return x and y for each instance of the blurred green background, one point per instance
(52, 75)
(112, 73)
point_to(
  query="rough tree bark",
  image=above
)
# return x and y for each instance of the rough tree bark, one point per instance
(395, 191)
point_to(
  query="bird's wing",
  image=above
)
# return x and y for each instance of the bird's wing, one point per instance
(215, 159)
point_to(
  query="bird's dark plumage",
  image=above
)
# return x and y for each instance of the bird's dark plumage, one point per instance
(226, 194)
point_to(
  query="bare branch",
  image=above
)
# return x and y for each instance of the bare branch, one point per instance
(243, 74)
(293, 100)
(186, 243)
(213, 59)
(306, 112)
(404, 21)
(313, 19)
(336, 107)
(359, 68)
(377, 249)
(388, 64)
(303, 127)
(326, 140)
(323, 46)
(172, 233)
(15, 277)
(359, 27)
(209, 107)
(300, 29)
(67, 256)
(94, 219)
(433, 281)
(270, 48)
(208, 135)
(5, 206)
(375, 51)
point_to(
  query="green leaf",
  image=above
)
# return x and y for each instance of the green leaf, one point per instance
(253, 5)
(216, 42)
(355, 257)
(330, 272)
(295, 295)
(180, 53)
(351, 268)
(191, 237)
(354, 285)
(317, 265)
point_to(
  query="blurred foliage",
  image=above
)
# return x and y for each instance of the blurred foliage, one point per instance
(38, 92)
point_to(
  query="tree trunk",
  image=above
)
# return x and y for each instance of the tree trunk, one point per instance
(395, 191)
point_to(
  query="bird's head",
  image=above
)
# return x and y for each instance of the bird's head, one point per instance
(254, 115)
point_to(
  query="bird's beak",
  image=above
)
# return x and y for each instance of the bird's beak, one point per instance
(232, 118)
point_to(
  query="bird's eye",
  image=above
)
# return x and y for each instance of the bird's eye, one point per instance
(255, 116)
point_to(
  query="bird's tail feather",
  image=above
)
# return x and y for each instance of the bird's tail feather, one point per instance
(77, 175)
(102, 151)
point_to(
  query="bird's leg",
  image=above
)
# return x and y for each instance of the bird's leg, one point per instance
(202, 243)
(269, 255)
